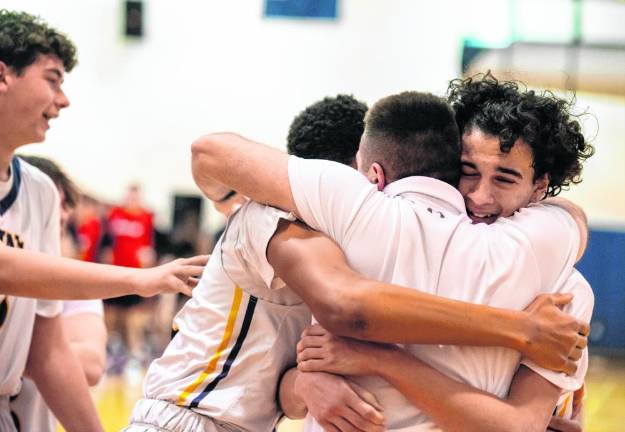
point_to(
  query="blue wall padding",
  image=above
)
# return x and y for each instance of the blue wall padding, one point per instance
(603, 265)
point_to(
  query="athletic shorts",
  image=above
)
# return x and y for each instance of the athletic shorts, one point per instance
(151, 415)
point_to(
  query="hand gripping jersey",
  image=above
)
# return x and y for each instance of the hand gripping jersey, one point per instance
(416, 234)
(236, 335)
(29, 219)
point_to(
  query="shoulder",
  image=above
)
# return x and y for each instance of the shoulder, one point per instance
(38, 185)
(35, 177)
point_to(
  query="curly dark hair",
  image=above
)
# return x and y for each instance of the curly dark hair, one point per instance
(506, 109)
(329, 129)
(413, 134)
(23, 37)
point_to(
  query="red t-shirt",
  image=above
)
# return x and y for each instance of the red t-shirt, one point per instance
(131, 231)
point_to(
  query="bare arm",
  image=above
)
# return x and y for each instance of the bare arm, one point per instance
(453, 405)
(34, 274)
(87, 337)
(59, 378)
(458, 407)
(348, 304)
(222, 162)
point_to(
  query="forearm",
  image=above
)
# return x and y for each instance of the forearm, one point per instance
(456, 406)
(292, 405)
(33, 274)
(387, 313)
(348, 304)
(59, 378)
(225, 161)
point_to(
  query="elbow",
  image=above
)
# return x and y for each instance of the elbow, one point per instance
(94, 373)
(201, 154)
(342, 314)
(208, 147)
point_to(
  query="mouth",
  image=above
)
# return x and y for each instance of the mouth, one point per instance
(479, 217)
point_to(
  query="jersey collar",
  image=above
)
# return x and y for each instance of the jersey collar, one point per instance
(16, 176)
(427, 186)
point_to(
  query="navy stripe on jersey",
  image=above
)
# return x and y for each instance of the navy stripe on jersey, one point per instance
(247, 320)
(10, 198)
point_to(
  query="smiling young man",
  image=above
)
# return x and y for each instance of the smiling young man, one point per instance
(396, 149)
(33, 61)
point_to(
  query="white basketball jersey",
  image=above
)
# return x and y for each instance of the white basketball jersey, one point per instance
(237, 334)
(29, 219)
(416, 234)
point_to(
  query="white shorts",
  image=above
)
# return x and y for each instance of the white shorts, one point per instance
(151, 415)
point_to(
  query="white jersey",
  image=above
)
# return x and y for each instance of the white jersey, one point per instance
(29, 219)
(237, 334)
(28, 407)
(416, 234)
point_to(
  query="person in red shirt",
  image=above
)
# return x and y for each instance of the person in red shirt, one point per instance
(131, 231)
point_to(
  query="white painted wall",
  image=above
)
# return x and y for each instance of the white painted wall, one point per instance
(207, 65)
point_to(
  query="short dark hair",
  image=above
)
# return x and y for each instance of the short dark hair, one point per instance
(414, 134)
(507, 110)
(23, 37)
(329, 129)
(58, 176)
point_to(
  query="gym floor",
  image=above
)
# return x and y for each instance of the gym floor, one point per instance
(604, 409)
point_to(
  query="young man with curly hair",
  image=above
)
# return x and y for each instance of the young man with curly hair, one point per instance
(495, 259)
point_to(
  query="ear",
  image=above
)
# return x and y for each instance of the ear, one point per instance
(540, 188)
(376, 175)
(4, 72)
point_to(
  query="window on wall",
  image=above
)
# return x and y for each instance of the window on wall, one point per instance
(323, 9)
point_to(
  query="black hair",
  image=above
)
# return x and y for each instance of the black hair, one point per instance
(413, 134)
(329, 129)
(507, 110)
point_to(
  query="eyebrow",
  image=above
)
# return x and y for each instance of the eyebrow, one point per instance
(503, 170)
(510, 171)
(56, 72)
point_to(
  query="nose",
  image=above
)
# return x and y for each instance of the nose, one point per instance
(61, 100)
(481, 194)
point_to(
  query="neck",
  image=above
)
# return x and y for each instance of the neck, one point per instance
(5, 163)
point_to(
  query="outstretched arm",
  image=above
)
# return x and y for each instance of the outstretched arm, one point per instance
(33, 274)
(348, 304)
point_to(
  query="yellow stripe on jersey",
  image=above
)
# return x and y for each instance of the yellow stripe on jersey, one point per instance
(214, 359)
(564, 405)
